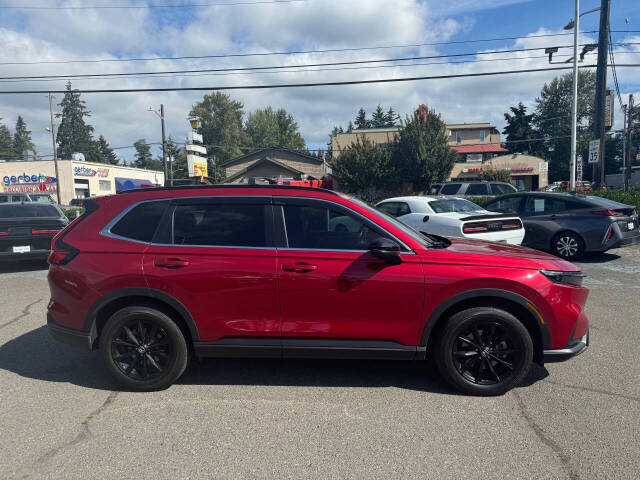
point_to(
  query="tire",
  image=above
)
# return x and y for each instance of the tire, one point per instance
(567, 245)
(495, 355)
(143, 349)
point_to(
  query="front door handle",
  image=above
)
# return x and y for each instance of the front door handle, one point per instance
(171, 262)
(299, 267)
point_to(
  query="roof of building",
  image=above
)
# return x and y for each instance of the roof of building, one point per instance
(485, 148)
(268, 149)
(459, 126)
(262, 161)
(371, 130)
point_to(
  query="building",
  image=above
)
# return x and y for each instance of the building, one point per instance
(274, 163)
(474, 142)
(527, 172)
(76, 179)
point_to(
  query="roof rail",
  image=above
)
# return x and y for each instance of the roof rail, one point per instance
(222, 187)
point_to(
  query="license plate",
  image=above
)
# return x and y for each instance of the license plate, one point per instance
(630, 226)
(22, 249)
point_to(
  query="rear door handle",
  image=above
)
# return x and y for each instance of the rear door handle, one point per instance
(171, 262)
(299, 267)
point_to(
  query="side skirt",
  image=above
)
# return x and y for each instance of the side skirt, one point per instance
(309, 348)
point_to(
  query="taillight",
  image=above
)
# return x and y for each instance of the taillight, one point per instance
(608, 213)
(610, 234)
(43, 232)
(3, 233)
(475, 229)
(511, 225)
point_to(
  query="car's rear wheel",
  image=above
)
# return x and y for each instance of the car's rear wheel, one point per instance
(567, 245)
(143, 348)
(484, 351)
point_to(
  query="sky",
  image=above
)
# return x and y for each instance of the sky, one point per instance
(428, 26)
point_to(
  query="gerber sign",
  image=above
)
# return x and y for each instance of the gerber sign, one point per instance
(84, 171)
(29, 183)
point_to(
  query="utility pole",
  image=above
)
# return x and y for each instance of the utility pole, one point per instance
(574, 103)
(629, 142)
(164, 146)
(625, 137)
(601, 86)
(55, 149)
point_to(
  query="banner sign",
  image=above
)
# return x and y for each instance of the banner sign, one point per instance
(197, 166)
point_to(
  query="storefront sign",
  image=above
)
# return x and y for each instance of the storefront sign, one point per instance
(472, 170)
(197, 166)
(25, 179)
(84, 171)
(521, 169)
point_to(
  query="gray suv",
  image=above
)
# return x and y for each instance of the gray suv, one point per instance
(476, 188)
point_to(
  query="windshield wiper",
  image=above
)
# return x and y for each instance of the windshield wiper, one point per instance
(436, 240)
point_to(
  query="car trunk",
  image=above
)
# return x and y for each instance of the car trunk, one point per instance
(26, 235)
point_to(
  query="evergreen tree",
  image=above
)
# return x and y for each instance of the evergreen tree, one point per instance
(143, 154)
(519, 127)
(350, 127)
(106, 152)
(421, 150)
(6, 143)
(379, 118)
(361, 119)
(391, 118)
(74, 135)
(179, 155)
(22, 139)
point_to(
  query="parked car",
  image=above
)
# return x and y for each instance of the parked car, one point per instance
(475, 188)
(151, 276)
(26, 197)
(569, 224)
(454, 217)
(26, 229)
(582, 186)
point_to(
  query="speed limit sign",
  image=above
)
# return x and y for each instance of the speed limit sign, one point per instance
(594, 150)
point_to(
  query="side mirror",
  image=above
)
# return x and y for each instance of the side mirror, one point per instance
(425, 219)
(387, 250)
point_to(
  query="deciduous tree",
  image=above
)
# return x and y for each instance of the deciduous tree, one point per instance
(266, 127)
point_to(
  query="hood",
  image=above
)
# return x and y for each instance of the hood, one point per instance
(478, 252)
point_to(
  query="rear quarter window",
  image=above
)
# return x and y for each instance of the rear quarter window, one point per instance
(450, 189)
(140, 223)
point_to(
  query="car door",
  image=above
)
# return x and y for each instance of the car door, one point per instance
(542, 215)
(215, 255)
(331, 287)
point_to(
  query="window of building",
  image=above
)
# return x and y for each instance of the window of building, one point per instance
(141, 222)
(105, 185)
(477, 189)
(322, 228)
(482, 133)
(450, 189)
(220, 225)
(458, 137)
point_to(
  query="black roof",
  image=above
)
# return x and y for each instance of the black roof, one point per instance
(234, 186)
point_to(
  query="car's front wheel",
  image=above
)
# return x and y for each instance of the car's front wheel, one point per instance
(484, 351)
(143, 348)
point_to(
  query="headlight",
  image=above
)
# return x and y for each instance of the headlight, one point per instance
(564, 278)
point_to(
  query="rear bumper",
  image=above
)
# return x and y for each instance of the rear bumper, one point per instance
(77, 338)
(625, 242)
(34, 254)
(575, 348)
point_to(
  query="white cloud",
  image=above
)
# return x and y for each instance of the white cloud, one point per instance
(123, 118)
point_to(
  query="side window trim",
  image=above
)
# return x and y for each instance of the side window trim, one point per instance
(281, 201)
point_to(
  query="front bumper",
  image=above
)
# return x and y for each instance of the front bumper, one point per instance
(77, 338)
(575, 348)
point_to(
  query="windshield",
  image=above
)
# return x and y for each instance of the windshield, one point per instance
(416, 235)
(456, 205)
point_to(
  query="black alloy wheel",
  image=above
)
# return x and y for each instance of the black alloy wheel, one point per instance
(484, 351)
(143, 348)
(487, 353)
(567, 245)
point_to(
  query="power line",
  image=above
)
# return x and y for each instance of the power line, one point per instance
(361, 67)
(298, 52)
(277, 67)
(152, 6)
(615, 75)
(300, 85)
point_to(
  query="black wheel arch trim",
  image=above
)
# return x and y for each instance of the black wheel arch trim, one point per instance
(151, 293)
(438, 312)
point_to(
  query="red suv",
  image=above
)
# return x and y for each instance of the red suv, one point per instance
(153, 276)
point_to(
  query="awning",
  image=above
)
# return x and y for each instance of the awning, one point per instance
(487, 148)
(123, 184)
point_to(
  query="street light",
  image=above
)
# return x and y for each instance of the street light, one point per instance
(575, 24)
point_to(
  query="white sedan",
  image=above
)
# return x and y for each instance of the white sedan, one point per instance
(454, 217)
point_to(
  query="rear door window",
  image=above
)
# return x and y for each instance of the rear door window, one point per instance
(450, 189)
(477, 189)
(505, 205)
(141, 222)
(220, 225)
(550, 205)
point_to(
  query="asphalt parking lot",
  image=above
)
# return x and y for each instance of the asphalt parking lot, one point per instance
(63, 417)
